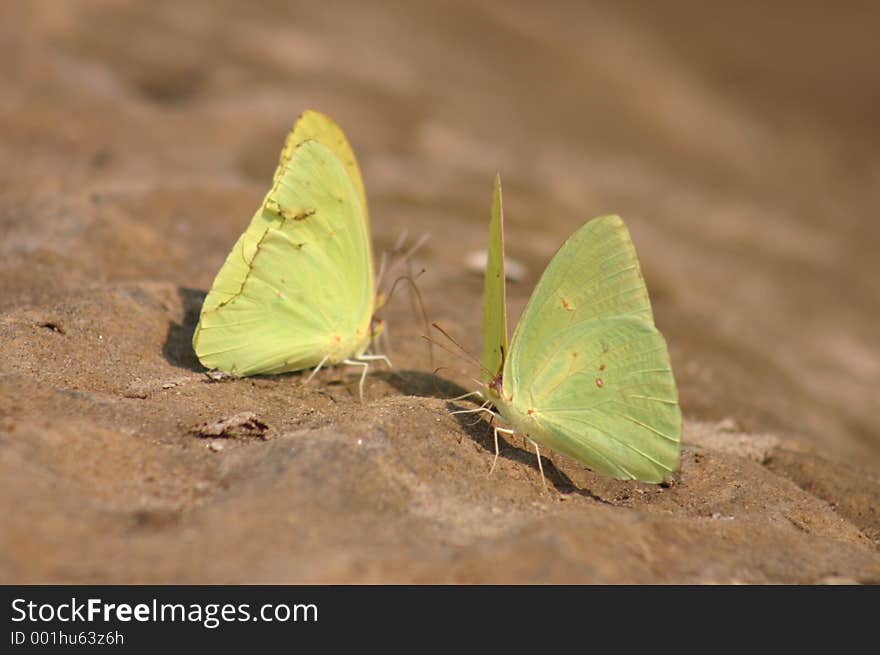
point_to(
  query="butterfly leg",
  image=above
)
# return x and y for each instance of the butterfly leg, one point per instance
(374, 358)
(492, 417)
(466, 395)
(316, 369)
(540, 466)
(366, 365)
(481, 408)
(497, 449)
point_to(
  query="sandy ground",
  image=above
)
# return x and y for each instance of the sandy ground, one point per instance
(739, 144)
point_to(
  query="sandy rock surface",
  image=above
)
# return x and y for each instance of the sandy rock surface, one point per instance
(138, 138)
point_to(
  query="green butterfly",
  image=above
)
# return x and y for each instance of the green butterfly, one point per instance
(587, 373)
(297, 290)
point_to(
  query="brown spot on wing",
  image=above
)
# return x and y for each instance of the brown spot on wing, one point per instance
(286, 214)
(599, 383)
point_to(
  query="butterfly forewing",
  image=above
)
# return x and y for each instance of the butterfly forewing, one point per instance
(494, 301)
(595, 274)
(315, 126)
(298, 285)
(310, 126)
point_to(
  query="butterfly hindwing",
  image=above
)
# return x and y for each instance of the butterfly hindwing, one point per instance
(604, 394)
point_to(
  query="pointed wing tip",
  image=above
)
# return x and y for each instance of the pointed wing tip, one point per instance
(611, 222)
(614, 219)
(315, 115)
(497, 205)
(307, 113)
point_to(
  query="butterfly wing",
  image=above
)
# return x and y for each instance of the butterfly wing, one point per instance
(298, 285)
(315, 126)
(588, 373)
(310, 126)
(494, 301)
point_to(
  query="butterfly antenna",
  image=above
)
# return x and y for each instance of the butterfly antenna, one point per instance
(434, 379)
(439, 392)
(461, 348)
(441, 346)
(398, 258)
(383, 265)
(411, 279)
(415, 304)
(453, 353)
(398, 245)
(421, 241)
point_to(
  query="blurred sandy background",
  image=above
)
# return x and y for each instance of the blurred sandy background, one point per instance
(738, 141)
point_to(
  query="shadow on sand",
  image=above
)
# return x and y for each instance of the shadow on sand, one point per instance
(477, 426)
(178, 350)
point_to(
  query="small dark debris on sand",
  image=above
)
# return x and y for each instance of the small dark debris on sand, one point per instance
(243, 424)
(216, 375)
(52, 325)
